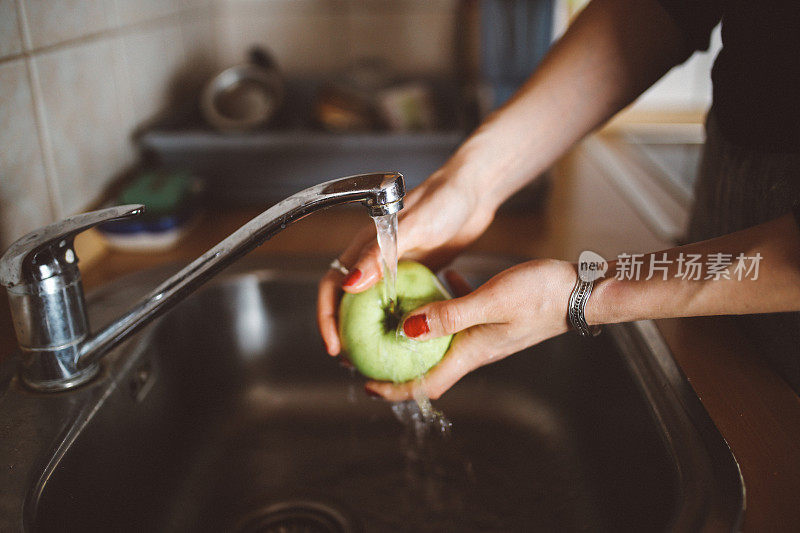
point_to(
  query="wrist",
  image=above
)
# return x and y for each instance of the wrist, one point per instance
(622, 300)
(560, 276)
(611, 300)
(488, 167)
(465, 177)
(601, 308)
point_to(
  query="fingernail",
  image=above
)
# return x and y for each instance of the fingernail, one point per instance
(416, 325)
(352, 278)
(371, 393)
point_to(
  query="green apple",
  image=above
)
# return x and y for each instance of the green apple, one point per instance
(370, 334)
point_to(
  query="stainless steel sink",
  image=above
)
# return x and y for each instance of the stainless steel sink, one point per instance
(226, 415)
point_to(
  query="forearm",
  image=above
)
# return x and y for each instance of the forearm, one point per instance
(776, 287)
(612, 52)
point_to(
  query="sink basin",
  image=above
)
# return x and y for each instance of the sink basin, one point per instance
(226, 415)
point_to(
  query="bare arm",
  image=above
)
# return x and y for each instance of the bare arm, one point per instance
(612, 52)
(527, 304)
(776, 288)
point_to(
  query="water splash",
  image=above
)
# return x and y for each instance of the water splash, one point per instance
(437, 474)
(352, 389)
(420, 417)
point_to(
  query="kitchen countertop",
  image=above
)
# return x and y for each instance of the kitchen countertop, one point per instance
(754, 409)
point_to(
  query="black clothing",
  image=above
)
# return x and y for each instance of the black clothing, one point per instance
(756, 76)
(739, 188)
(797, 214)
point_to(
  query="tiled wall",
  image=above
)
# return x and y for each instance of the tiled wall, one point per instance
(313, 36)
(76, 78)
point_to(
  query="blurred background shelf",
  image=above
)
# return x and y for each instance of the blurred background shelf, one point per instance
(294, 151)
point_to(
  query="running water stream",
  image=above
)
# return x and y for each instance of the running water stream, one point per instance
(427, 415)
(386, 226)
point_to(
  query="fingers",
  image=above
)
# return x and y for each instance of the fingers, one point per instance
(468, 351)
(327, 303)
(366, 271)
(330, 290)
(447, 317)
(432, 386)
(392, 392)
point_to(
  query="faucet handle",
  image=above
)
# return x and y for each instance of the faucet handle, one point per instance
(43, 253)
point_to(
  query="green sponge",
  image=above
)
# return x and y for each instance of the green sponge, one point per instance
(161, 193)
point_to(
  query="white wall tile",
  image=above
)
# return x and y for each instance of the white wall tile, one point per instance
(198, 4)
(294, 7)
(10, 37)
(24, 200)
(134, 11)
(48, 22)
(321, 36)
(200, 50)
(402, 5)
(304, 36)
(199, 40)
(154, 60)
(416, 40)
(81, 109)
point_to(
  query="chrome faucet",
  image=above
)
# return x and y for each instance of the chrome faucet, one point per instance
(40, 272)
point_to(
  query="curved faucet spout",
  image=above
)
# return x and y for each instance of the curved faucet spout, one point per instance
(51, 365)
(381, 193)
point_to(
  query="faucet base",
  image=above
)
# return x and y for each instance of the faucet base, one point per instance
(77, 379)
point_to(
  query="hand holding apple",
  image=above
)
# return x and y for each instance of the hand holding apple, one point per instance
(369, 331)
(517, 308)
(441, 216)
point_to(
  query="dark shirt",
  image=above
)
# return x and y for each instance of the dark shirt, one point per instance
(756, 76)
(797, 214)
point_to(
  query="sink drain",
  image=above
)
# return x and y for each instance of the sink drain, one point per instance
(297, 517)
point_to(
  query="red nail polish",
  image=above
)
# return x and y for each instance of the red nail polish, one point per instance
(371, 393)
(352, 278)
(416, 325)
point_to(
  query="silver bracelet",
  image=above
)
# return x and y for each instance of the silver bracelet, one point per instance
(577, 303)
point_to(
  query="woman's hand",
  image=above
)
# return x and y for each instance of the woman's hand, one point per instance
(440, 217)
(517, 308)
(527, 304)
